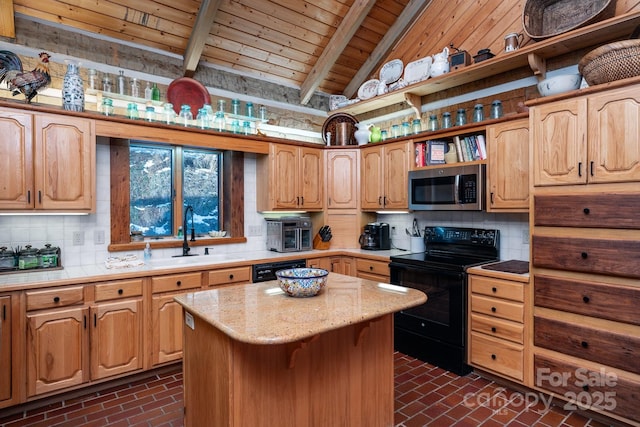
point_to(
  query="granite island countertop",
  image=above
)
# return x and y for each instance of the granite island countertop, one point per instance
(263, 314)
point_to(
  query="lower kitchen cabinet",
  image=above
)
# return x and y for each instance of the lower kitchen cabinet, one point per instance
(324, 263)
(343, 265)
(377, 271)
(228, 276)
(6, 366)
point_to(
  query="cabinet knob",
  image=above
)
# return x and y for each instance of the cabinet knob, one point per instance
(493, 309)
(371, 268)
(586, 211)
(56, 299)
(584, 255)
(584, 344)
(493, 329)
(494, 357)
(179, 282)
(231, 276)
(494, 289)
(120, 291)
(585, 299)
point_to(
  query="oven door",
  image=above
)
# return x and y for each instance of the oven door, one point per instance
(443, 316)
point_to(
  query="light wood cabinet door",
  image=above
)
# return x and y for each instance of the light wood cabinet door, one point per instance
(613, 143)
(508, 166)
(5, 348)
(372, 178)
(396, 176)
(64, 163)
(284, 180)
(324, 263)
(57, 349)
(16, 160)
(311, 178)
(559, 142)
(342, 179)
(166, 329)
(116, 338)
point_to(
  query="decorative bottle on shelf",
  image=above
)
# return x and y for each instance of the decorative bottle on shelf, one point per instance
(147, 91)
(73, 88)
(185, 116)
(362, 134)
(135, 88)
(122, 88)
(155, 93)
(93, 75)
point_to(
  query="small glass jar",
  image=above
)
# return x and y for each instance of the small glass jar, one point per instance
(433, 123)
(235, 107)
(263, 113)
(406, 129)
(135, 88)
(185, 117)
(107, 106)
(93, 75)
(209, 110)
(203, 119)
(219, 122)
(384, 135)
(168, 114)
(222, 105)
(446, 120)
(496, 109)
(150, 113)
(248, 109)
(132, 111)
(478, 113)
(416, 126)
(246, 127)
(461, 117)
(395, 131)
(235, 126)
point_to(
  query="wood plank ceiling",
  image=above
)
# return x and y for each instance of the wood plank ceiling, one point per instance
(310, 45)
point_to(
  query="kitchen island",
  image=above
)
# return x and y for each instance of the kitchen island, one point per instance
(256, 357)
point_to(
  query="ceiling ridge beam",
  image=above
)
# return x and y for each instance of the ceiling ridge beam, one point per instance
(201, 30)
(340, 39)
(400, 27)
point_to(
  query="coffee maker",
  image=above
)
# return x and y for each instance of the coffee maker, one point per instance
(375, 237)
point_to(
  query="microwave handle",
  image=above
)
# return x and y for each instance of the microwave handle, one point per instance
(456, 190)
(298, 239)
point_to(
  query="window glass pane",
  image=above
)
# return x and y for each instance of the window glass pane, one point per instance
(151, 189)
(200, 188)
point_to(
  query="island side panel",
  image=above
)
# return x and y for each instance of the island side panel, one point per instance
(342, 377)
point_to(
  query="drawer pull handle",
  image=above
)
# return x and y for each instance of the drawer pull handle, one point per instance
(585, 299)
(494, 289)
(584, 344)
(231, 277)
(120, 291)
(179, 282)
(494, 357)
(493, 309)
(56, 299)
(493, 329)
(584, 255)
(586, 211)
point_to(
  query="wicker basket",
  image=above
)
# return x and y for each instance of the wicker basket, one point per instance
(611, 62)
(547, 18)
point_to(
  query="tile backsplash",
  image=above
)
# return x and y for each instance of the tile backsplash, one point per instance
(59, 230)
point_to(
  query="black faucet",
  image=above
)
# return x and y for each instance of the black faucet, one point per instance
(185, 244)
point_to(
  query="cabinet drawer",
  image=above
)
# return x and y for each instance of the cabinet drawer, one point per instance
(579, 381)
(498, 328)
(229, 275)
(606, 346)
(497, 308)
(603, 300)
(115, 290)
(176, 282)
(52, 298)
(373, 267)
(588, 210)
(499, 356)
(497, 288)
(601, 256)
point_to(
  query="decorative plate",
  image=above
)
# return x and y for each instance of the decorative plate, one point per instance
(331, 123)
(336, 101)
(391, 71)
(369, 89)
(188, 91)
(417, 71)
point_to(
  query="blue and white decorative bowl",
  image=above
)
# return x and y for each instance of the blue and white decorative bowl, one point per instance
(302, 282)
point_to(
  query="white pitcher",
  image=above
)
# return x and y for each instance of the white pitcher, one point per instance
(440, 63)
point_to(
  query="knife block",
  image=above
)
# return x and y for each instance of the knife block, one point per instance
(319, 244)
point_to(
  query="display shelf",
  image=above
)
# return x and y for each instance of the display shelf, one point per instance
(534, 55)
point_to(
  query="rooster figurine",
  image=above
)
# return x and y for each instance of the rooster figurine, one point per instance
(26, 82)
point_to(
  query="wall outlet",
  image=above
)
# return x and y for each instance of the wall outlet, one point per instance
(98, 237)
(394, 231)
(525, 237)
(78, 238)
(255, 230)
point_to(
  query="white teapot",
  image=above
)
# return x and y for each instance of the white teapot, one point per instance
(362, 134)
(440, 63)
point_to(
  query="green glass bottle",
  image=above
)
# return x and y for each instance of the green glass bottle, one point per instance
(155, 92)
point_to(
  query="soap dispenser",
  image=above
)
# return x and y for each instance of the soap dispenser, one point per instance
(147, 252)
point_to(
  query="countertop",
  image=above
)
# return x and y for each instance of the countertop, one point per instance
(99, 272)
(263, 314)
(498, 274)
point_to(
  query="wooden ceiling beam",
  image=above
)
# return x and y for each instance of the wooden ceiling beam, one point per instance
(345, 31)
(7, 24)
(411, 12)
(199, 34)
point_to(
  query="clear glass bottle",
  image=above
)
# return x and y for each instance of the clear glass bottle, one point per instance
(416, 126)
(155, 92)
(147, 91)
(219, 122)
(185, 116)
(496, 109)
(446, 120)
(168, 114)
(235, 107)
(106, 84)
(461, 117)
(222, 105)
(107, 106)
(209, 110)
(122, 84)
(203, 119)
(433, 123)
(263, 113)
(135, 88)
(248, 109)
(478, 113)
(132, 111)
(93, 76)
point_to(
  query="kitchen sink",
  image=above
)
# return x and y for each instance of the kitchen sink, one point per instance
(193, 260)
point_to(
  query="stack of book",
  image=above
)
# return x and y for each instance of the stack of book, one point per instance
(470, 147)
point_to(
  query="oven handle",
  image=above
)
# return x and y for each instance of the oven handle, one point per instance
(456, 197)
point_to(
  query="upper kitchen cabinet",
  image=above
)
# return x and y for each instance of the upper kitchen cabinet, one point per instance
(588, 139)
(342, 178)
(48, 162)
(290, 178)
(508, 166)
(384, 176)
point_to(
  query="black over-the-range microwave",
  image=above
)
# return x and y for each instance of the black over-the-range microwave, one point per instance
(447, 188)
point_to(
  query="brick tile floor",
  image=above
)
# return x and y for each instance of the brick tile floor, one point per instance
(425, 396)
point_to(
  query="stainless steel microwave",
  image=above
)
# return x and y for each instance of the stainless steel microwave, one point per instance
(447, 188)
(290, 234)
